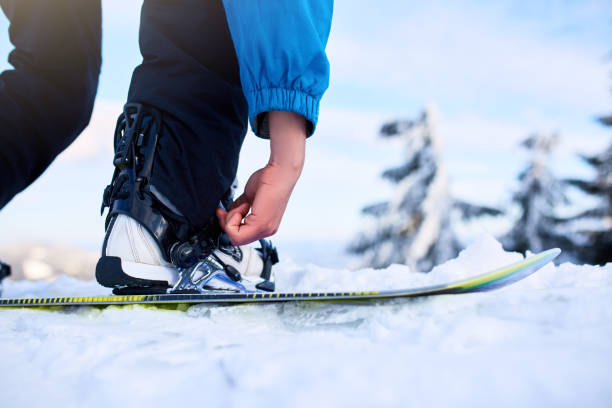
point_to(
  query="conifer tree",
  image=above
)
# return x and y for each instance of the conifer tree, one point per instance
(414, 227)
(539, 193)
(593, 227)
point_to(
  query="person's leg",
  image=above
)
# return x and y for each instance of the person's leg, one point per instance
(47, 99)
(190, 72)
(176, 154)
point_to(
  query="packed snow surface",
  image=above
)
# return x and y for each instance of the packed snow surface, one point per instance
(544, 341)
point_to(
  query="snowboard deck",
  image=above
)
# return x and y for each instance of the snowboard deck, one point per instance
(479, 283)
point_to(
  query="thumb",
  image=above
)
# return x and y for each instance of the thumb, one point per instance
(233, 220)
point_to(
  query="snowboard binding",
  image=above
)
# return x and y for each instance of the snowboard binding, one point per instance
(130, 192)
(201, 256)
(202, 269)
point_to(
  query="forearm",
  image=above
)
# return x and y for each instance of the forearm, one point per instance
(287, 141)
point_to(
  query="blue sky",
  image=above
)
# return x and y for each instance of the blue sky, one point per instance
(495, 71)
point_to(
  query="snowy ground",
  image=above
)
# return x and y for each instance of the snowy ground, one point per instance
(545, 341)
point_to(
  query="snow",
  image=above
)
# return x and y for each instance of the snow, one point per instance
(544, 341)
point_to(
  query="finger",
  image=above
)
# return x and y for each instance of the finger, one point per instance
(239, 201)
(263, 221)
(233, 219)
(246, 234)
(254, 228)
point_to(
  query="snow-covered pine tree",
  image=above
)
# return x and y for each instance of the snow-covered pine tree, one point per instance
(414, 227)
(594, 226)
(539, 192)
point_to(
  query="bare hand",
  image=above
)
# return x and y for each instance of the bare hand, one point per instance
(258, 212)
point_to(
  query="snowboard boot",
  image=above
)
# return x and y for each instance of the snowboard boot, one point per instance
(5, 270)
(149, 246)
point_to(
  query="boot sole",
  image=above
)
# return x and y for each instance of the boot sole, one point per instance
(110, 274)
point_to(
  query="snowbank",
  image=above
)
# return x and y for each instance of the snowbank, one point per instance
(544, 341)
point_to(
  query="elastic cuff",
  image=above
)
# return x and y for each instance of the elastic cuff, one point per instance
(264, 100)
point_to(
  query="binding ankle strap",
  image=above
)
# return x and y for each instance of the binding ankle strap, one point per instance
(136, 139)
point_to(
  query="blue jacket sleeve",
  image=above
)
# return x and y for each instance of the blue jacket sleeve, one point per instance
(280, 46)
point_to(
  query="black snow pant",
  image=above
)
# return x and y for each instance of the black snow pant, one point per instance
(190, 72)
(47, 99)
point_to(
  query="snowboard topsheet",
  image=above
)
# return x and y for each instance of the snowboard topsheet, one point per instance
(483, 282)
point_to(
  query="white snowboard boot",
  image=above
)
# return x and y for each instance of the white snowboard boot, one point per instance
(131, 258)
(132, 262)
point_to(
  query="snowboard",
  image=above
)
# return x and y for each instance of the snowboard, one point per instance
(484, 282)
